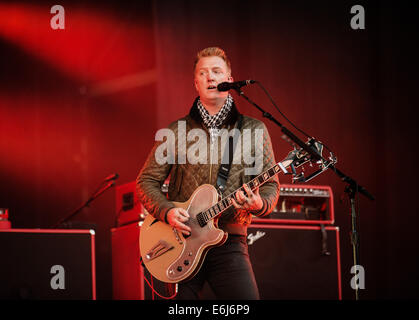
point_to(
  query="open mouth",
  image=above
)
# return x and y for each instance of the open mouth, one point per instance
(212, 87)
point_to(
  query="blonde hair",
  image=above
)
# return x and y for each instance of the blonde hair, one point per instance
(211, 52)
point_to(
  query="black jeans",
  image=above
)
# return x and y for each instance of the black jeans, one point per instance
(228, 271)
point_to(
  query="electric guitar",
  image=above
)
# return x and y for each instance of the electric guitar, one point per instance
(172, 257)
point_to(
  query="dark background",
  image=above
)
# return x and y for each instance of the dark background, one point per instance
(79, 104)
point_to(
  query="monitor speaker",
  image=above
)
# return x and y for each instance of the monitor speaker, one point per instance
(47, 264)
(296, 262)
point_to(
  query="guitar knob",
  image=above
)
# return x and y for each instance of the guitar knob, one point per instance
(179, 268)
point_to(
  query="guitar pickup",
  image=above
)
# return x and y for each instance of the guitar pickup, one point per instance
(160, 248)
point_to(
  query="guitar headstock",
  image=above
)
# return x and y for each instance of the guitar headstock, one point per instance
(298, 157)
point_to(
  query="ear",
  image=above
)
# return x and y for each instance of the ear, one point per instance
(195, 82)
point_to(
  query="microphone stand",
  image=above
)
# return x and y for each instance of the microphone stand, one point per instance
(86, 204)
(351, 189)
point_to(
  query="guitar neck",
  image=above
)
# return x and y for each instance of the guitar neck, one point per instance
(226, 202)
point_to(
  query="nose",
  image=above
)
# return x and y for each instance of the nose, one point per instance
(210, 76)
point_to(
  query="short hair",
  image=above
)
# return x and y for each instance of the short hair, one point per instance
(211, 52)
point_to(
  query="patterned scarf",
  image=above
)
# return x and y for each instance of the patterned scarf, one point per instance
(215, 121)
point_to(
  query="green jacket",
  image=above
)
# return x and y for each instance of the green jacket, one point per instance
(185, 177)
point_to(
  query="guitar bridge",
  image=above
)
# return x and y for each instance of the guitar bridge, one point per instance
(160, 248)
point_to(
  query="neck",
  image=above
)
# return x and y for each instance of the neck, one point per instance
(213, 105)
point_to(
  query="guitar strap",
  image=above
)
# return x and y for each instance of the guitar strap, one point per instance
(229, 151)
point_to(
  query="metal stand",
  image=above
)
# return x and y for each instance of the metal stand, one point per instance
(86, 204)
(352, 190)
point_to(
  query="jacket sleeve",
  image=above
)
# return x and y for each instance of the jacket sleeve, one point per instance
(269, 191)
(151, 178)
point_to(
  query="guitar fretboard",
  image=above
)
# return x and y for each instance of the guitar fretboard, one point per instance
(205, 216)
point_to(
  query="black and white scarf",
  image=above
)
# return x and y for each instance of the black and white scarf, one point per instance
(215, 121)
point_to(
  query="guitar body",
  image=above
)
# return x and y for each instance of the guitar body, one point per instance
(170, 256)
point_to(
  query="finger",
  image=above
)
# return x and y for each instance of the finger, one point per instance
(248, 190)
(182, 218)
(256, 191)
(186, 233)
(182, 227)
(240, 197)
(246, 204)
(183, 212)
(235, 204)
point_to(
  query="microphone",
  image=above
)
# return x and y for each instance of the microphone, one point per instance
(111, 177)
(225, 86)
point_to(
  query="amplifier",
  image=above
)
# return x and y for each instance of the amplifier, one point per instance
(302, 204)
(296, 262)
(128, 207)
(47, 264)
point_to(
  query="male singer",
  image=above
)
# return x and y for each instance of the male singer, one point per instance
(226, 268)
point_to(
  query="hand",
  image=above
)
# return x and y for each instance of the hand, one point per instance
(176, 218)
(252, 202)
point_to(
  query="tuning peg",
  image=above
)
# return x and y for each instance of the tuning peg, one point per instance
(299, 177)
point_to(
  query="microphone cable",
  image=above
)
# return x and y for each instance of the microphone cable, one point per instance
(280, 112)
(154, 291)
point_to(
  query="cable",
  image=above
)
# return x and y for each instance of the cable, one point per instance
(153, 291)
(274, 104)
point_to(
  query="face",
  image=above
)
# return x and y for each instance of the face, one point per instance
(209, 72)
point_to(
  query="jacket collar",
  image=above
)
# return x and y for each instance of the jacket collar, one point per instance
(231, 119)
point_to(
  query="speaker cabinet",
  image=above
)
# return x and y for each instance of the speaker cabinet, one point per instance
(296, 262)
(127, 272)
(47, 264)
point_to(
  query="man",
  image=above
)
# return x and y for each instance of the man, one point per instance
(227, 268)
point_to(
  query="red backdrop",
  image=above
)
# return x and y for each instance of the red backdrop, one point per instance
(81, 103)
